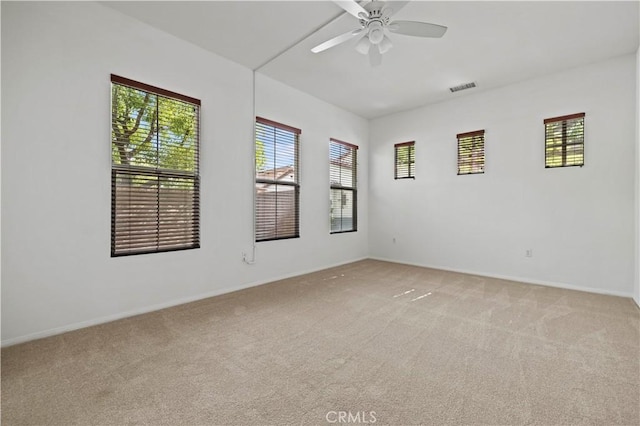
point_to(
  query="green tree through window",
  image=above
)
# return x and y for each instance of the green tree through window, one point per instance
(564, 141)
(405, 160)
(471, 152)
(155, 182)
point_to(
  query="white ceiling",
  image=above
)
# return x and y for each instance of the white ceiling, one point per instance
(490, 43)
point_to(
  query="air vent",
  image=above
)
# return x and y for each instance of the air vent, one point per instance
(462, 87)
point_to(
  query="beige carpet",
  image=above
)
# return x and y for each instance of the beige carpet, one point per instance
(383, 343)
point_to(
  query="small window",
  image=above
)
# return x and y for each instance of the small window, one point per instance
(471, 153)
(155, 185)
(277, 181)
(564, 141)
(344, 195)
(405, 160)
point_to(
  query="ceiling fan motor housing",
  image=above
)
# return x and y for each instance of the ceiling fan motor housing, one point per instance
(374, 23)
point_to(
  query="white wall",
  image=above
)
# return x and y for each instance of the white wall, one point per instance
(577, 221)
(57, 273)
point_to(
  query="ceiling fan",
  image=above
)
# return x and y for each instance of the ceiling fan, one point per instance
(375, 24)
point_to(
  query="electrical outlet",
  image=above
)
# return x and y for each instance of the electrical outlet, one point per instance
(528, 253)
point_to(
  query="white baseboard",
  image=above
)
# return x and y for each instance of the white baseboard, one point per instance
(524, 280)
(159, 306)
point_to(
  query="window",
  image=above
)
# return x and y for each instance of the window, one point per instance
(471, 153)
(343, 176)
(564, 141)
(155, 186)
(405, 160)
(277, 181)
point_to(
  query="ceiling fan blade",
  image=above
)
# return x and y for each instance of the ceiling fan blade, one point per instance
(417, 29)
(375, 57)
(336, 40)
(352, 7)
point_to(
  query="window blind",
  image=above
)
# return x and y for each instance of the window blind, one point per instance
(155, 185)
(405, 160)
(343, 173)
(564, 141)
(471, 152)
(277, 181)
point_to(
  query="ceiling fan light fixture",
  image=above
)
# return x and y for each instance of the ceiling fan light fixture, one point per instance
(376, 34)
(363, 45)
(385, 45)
